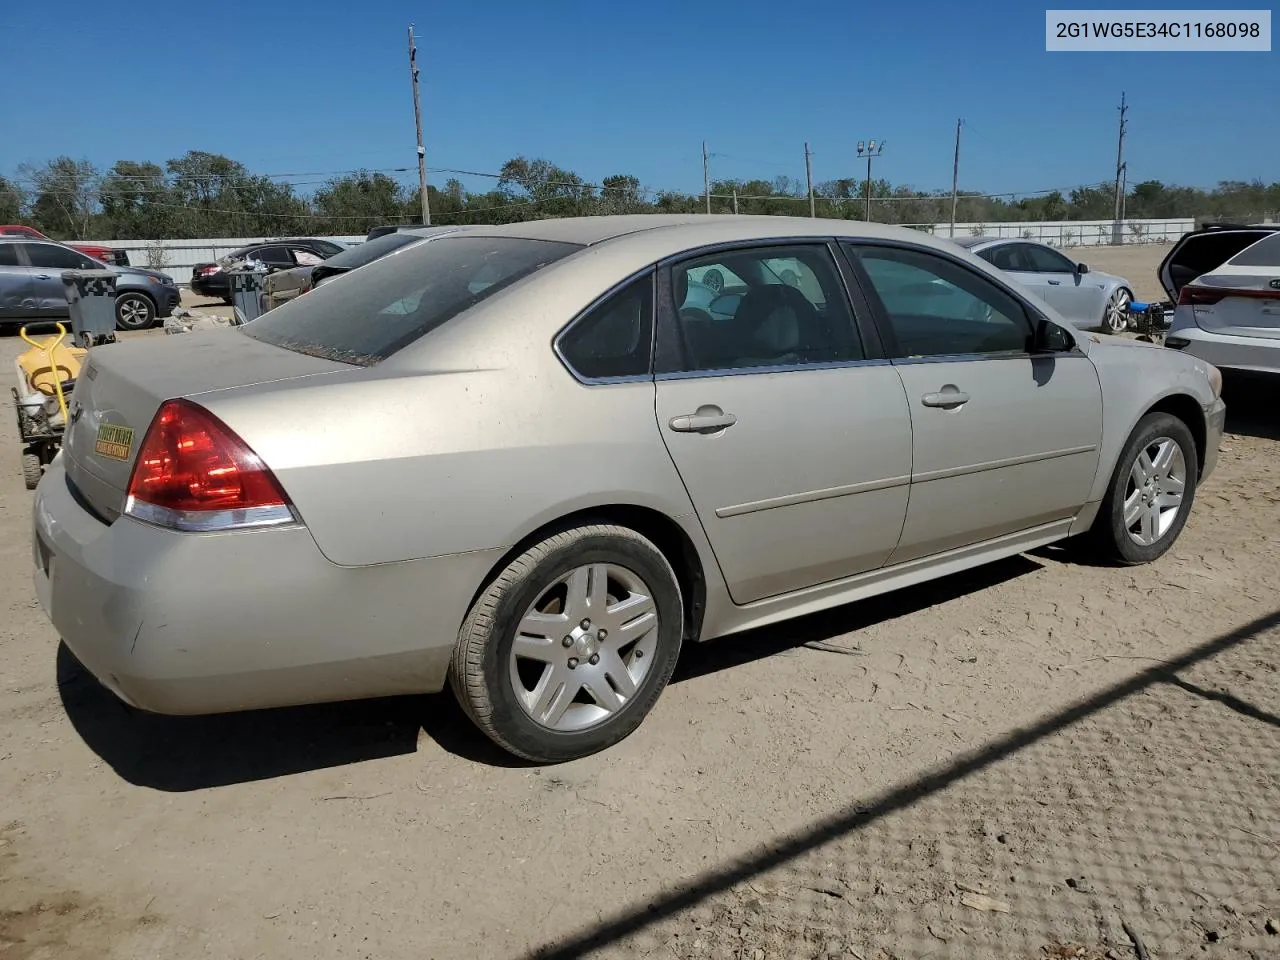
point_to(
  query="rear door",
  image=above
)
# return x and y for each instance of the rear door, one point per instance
(16, 299)
(1004, 437)
(787, 426)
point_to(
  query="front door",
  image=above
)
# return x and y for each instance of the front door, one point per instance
(15, 284)
(1073, 294)
(793, 442)
(1005, 437)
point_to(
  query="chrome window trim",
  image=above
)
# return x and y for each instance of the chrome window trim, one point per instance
(772, 368)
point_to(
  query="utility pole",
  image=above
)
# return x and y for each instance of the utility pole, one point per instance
(870, 149)
(1120, 172)
(417, 119)
(808, 178)
(955, 178)
(735, 200)
(706, 176)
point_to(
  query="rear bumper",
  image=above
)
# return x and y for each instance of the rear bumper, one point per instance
(215, 285)
(1215, 418)
(1231, 352)
(188, 624)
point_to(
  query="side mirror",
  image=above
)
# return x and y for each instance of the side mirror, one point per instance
(1082, 268)
(1051, 338)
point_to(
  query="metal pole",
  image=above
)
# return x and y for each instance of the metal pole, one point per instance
(808, 178)
(706, 176)
(417, 119)
(955, 179)
(1115, 231)
(735, 201)
(868, 215)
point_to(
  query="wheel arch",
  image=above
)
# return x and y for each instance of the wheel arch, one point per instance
(1187, 409)
(666, 534)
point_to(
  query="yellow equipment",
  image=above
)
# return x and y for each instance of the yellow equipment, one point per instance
(46, 374)
(46, 366)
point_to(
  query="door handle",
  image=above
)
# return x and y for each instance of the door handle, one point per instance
(706, 420)
(947, 398)
(1055, 283)
(43, 276)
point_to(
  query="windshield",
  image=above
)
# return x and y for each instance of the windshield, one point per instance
(391, 302)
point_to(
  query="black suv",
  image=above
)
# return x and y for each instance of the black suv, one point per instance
(210, 280)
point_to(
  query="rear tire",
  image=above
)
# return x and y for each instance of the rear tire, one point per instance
(1151, 492)
(599, 618)
(32, 470)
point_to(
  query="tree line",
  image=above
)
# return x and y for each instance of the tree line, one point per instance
(206, 194)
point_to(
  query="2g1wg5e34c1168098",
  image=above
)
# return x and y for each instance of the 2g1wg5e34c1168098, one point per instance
(1128, 31)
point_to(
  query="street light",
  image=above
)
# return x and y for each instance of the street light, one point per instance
(870, 149)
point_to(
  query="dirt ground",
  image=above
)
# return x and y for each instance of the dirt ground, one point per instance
(1016, 762)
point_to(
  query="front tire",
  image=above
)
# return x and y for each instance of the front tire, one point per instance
(1115, 318)
(135, 311)
(1151, 492)
(568, 648)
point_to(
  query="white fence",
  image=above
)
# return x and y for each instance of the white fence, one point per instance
(1071, 233)
(177, 257)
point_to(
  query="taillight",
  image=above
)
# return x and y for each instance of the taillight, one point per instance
(194, 473)
(1207, 296)
(1198, 296)
(210, 271)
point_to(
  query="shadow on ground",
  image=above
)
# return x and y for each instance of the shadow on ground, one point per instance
(192, 753)
(1251, 407)
(1152, 802)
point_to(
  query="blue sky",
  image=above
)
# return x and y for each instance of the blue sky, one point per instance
(605, 88)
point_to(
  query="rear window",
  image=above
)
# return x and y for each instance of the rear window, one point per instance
(1264, 253)
(390, 303)
(371, 250)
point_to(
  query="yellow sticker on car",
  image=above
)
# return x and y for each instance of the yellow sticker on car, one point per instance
(114, 441)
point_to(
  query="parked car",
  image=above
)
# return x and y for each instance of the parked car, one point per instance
(504, 460)
(1088, 298)
(286, 285)
(1228, 315)
(31, 285)
(119, 258)
(211, 279)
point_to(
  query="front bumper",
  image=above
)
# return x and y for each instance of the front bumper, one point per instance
(184, 623)
(1215, 420)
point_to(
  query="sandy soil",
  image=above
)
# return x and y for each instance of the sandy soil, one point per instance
(1010, 763)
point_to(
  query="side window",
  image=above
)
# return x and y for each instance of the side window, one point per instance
(1044, 260)
(1007, 256)
(777, 306)
(936, 307)
(52, 257)
(616, 338)
(8, 254)
(274, 256)
(306, 258)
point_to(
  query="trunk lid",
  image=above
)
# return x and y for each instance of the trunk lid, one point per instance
(122, 385)
(1204, 250)
(1236, 303)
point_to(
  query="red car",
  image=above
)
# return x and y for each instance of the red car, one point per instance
(105, 254)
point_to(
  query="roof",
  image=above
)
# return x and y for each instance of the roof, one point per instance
(702, 228)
